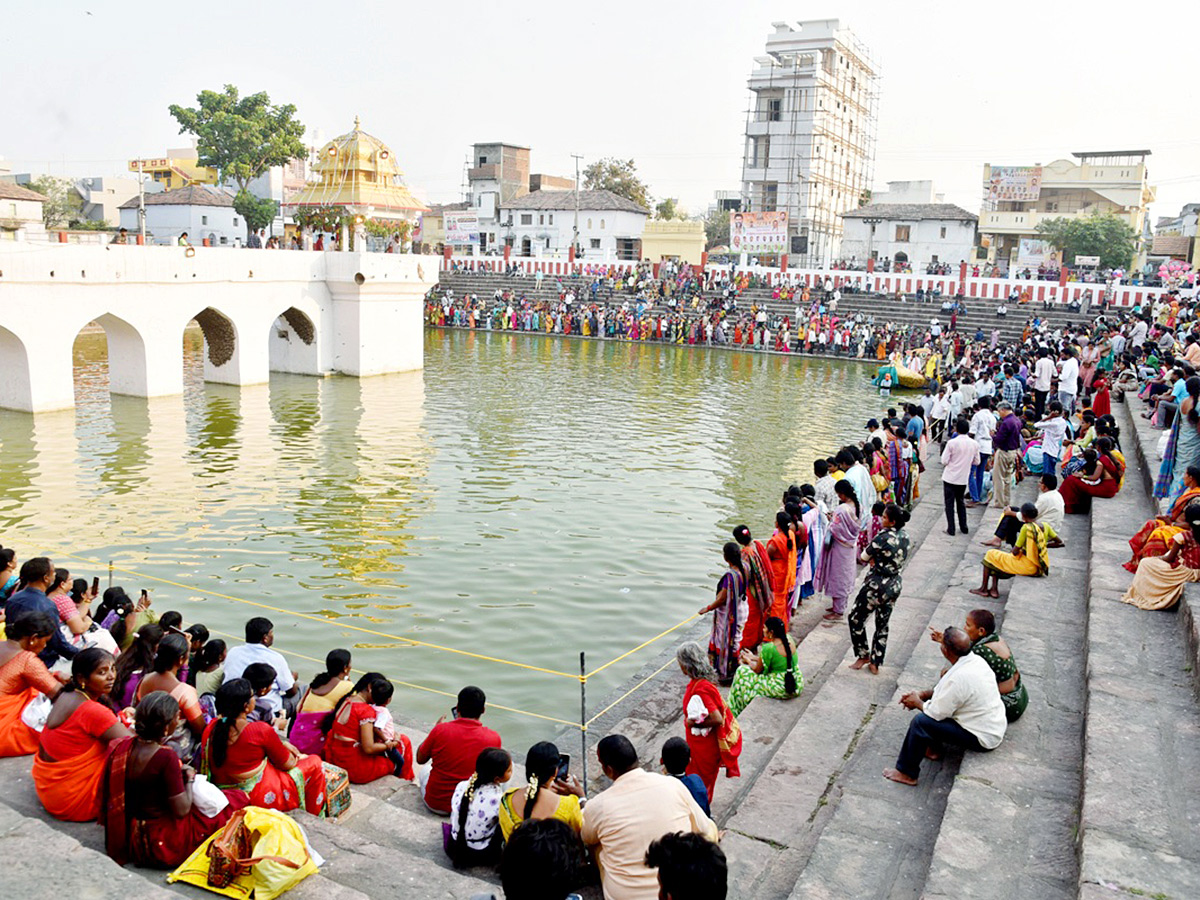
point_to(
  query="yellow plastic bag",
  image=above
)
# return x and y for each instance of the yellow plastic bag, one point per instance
(275, 834)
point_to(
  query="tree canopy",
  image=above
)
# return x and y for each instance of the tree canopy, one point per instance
(63, 205)
(241, 137)
(1104, 236)
(668, 208)
(716, 228)
(259, 212)
(618, 176)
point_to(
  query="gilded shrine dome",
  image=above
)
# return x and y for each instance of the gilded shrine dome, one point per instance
(359, 173)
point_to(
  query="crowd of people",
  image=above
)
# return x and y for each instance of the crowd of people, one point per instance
(164, 733)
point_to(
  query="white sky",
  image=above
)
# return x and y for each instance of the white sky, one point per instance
(662, 83)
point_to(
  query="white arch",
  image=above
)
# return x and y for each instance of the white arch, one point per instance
(222, 350)
(16, 387)
(293, 343)
(127, 364)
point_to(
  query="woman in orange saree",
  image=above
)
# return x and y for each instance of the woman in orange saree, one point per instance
(23, 678)
(1154, 537)
(74, 744)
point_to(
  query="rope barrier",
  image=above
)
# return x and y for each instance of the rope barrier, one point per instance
(409, 684)
(637, 687)
(644, 644)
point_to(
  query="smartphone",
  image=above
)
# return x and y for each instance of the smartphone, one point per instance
(564, 766)
(145, 593)
(454, 712)
(96, 587)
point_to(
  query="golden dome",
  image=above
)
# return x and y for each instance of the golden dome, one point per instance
(360, 172)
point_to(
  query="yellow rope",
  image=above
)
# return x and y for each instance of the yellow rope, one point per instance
(324, 620)
(643, 644)
(632, 690)
(418, 687)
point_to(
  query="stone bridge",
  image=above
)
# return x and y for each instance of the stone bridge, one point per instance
(260, 311)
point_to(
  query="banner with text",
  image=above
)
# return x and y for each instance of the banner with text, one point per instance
(758, 232)
(1014, 183)
(462, 228)
(1033, 253)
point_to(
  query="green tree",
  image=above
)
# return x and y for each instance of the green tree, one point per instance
(1104, 236)
(669, 208)
(241, 137)
(716, 228)
(618, 176)
(63, 203)
(259, 212)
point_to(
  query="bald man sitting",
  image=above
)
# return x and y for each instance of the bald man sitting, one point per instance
(963, 710)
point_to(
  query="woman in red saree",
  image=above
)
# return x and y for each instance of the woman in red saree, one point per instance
(1100, 477)
(74, 743)
(23, 678)
(352, 742)
(147, 807)
(1154, 537)
(251, 757)
(713, 734)
(759, 595)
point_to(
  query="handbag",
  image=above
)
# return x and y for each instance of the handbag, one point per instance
(229, 853)
(337, 790)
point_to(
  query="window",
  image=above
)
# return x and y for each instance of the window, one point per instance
(943, 234)
(902, 232)
(235, 222)
(551, 218)
(770, 196)
(483, 160)
(774, 109)
(595, 243)
(204, 220)
(589, 224)
(526, 218)
(541, 218)
(760, 151)
(601, 224)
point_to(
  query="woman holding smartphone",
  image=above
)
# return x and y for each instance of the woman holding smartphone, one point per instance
(552, 793)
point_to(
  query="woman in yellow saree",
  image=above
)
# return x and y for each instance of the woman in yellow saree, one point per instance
(1029, 555)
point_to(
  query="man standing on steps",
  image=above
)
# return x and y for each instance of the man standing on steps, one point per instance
(1006, 448)
(1043, 373)
(963, 710)
(961, 453)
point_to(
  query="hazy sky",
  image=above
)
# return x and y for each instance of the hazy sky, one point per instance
(85, 84)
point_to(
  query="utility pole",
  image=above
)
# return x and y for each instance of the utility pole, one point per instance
(142, 200)
(575, 236)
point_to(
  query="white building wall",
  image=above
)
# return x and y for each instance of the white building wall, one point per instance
(164, 223)
(925, 241)
(604, 226)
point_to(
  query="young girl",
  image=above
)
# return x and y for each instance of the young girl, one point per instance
(472, 837)
(875, 526)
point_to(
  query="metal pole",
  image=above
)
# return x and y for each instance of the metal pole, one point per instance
(575, 236)
(142, 200)
(110, 571)
(583, 756)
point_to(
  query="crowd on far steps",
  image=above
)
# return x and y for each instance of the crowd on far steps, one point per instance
(182, 746)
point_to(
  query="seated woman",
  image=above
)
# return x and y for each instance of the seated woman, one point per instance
(23, 678)
(354, 741)
(1028, 557)
(251, 757)
(164, 676)
(146, 793)
(773, 672)
(546, 797)
(1159, 580)
(1154, 537)
(134, 663)
(991, 648)
(472, 837)
(320, 698)
(74, 743)
(1100, 476)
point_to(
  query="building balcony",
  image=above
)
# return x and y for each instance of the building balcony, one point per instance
(490, 172)
(1026, 222)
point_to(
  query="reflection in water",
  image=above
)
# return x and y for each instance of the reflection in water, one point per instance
(523, 497)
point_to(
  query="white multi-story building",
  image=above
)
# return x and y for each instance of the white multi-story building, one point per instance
(206, 213)
(810, 133)
(542, 223)
(909, 223)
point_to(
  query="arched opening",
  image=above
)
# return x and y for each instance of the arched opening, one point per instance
(292, 344)
(221, 358)
(526, 246)
(16, 388)
(901, 256)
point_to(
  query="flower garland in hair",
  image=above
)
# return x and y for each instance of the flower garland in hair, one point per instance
(532, 791)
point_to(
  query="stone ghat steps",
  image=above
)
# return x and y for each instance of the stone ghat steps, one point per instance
(981, 313)
(1140, 820)
(46, 858)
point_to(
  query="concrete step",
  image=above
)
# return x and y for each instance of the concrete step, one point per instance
(1140, 820)
(1013, 813)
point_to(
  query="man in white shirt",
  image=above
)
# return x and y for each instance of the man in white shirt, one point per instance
(1043, 372)
(983, 426)
(960, 454)
(1068, 381)
(937, 417)
(260, 635)
(1137, 336)
(956, 400)
(824, 485)
(963, 710)
(638, 809)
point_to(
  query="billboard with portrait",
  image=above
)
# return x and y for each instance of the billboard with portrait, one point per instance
(1032, 253)
(758, 232)
(462, 227)
(1018, 184)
